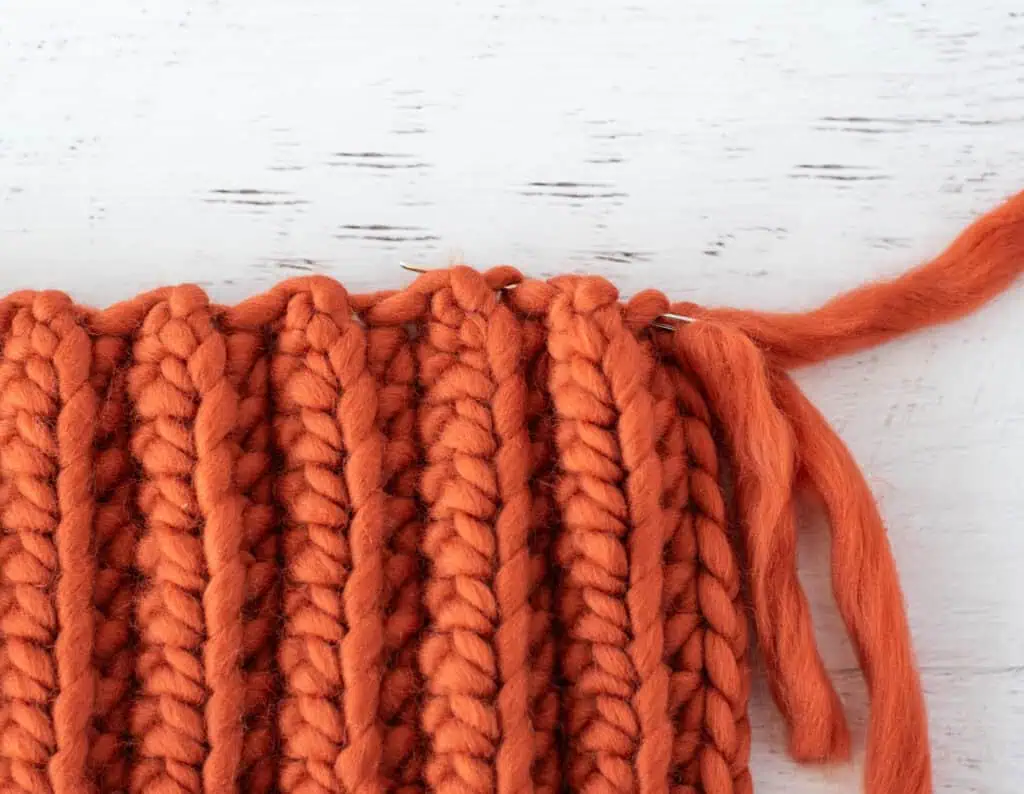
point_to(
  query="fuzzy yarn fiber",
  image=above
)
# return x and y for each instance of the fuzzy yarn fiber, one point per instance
(482, 535)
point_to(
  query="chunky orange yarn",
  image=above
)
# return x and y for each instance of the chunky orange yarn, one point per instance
(472, 537)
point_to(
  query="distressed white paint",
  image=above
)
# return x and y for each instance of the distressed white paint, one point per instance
(761, 154)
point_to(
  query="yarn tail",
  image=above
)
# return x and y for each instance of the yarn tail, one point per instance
(777, 439)
(867, 591)
(982, 262)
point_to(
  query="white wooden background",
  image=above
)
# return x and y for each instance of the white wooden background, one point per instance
(761, 153)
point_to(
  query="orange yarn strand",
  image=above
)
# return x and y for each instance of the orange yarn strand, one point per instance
(867, 591)
(472, 536)
(983, 261)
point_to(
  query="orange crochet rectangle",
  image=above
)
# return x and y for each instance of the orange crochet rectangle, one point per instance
(458, 538)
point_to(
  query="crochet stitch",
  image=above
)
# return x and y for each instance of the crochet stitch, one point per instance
(486, 534)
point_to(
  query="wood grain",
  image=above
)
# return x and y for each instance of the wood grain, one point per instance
(751, 153)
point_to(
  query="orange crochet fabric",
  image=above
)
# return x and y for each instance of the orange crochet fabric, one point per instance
(482, 535)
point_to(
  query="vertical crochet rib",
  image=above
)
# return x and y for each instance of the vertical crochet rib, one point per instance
(609, 493)
(601, 726)
(475, 656)
(315, 504)
(248, 369)
(47, 419)
(189, 552)
(721, 635)
(683, 647)
(467, 537)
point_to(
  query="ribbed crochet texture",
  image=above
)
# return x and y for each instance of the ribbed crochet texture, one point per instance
(483, 535)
